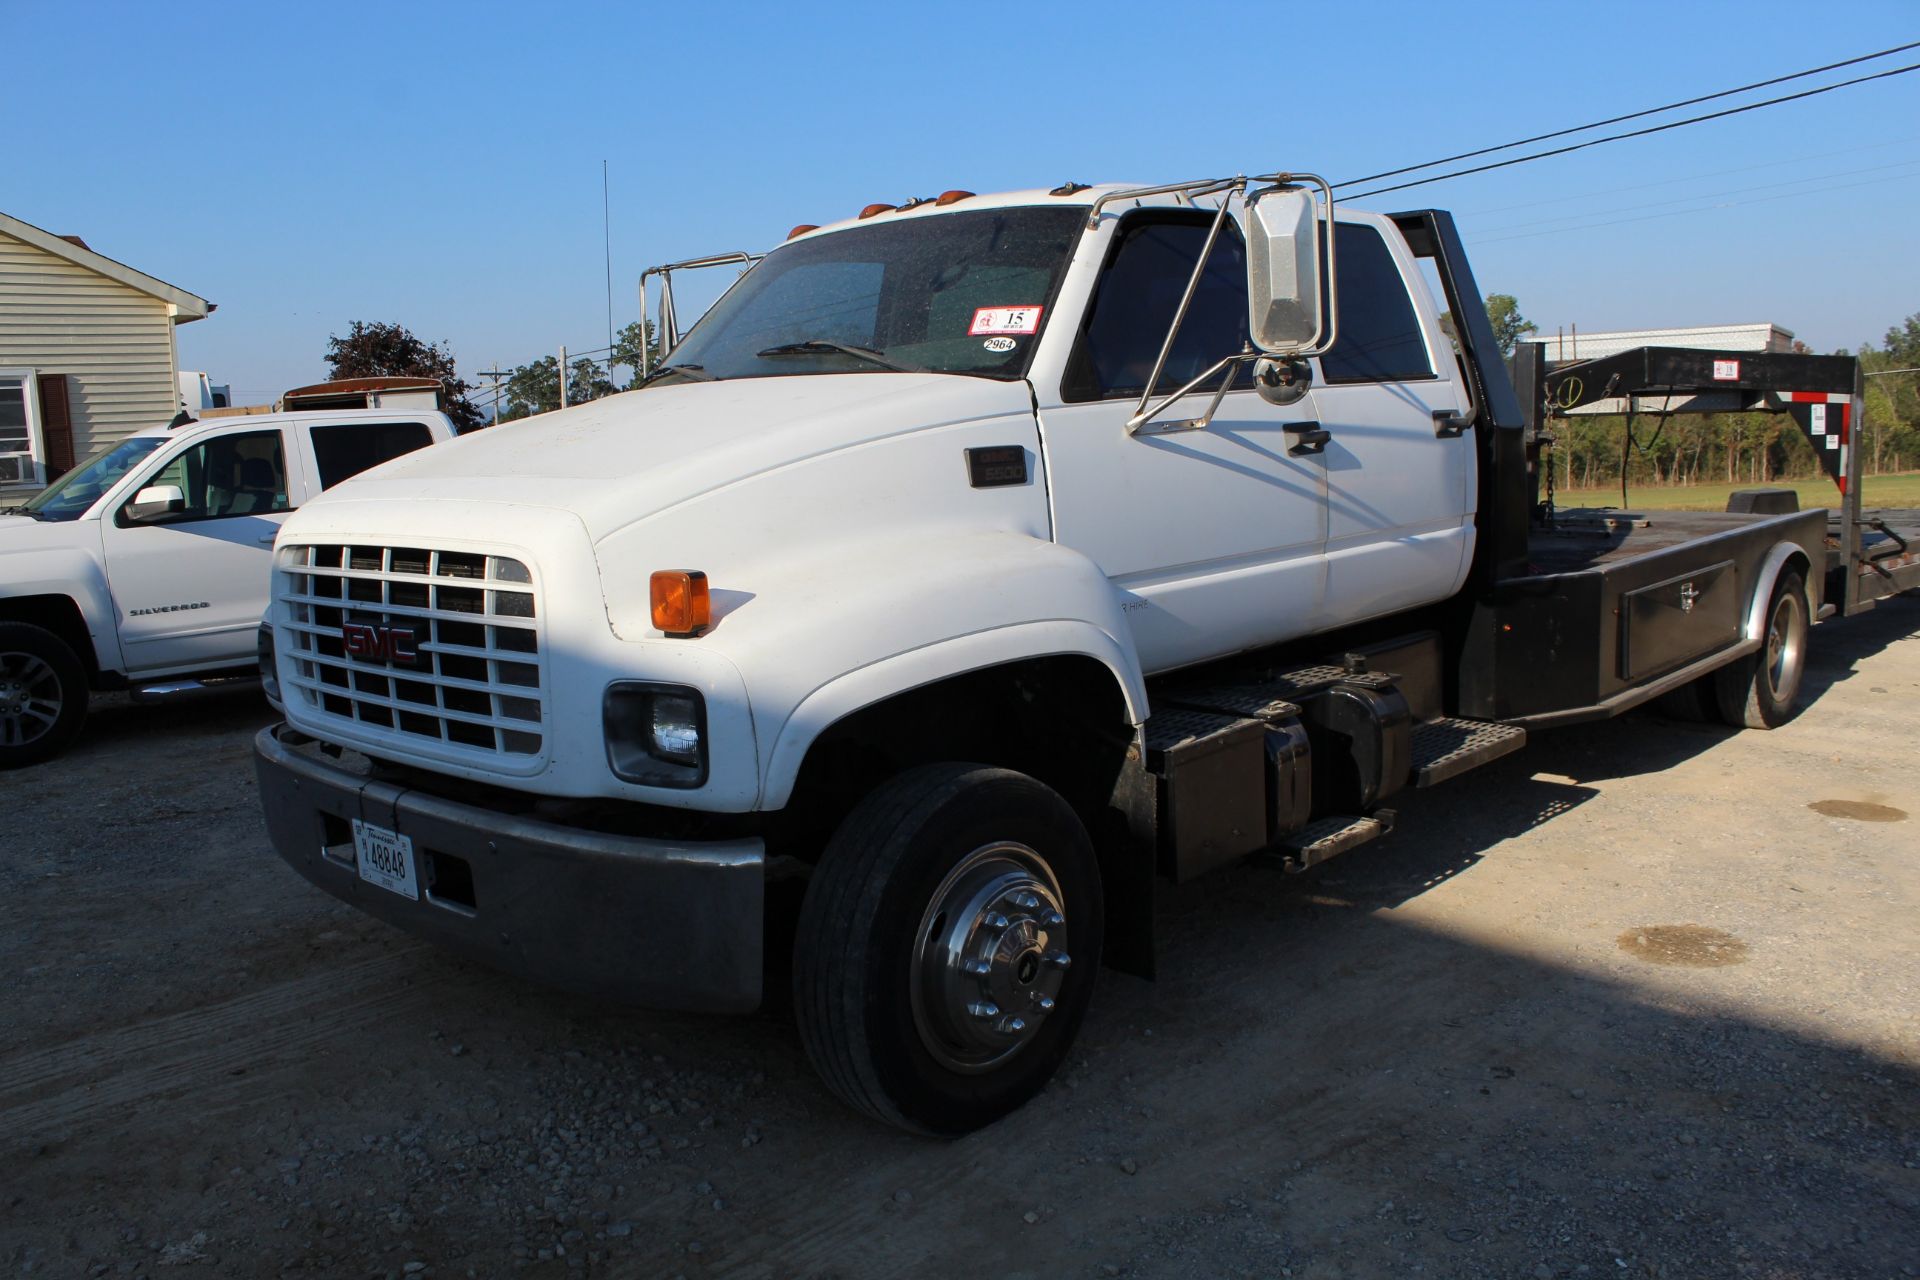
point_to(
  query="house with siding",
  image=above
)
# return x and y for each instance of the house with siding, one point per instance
(87, 352)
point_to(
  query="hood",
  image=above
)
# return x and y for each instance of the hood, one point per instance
(622, 459)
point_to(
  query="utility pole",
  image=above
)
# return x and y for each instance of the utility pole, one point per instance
(494, 375)
(563, 377)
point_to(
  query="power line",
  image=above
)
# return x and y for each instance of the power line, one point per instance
(1674, 213)
(1635, 115)
(1709, 195)
(1634, 133)
(1646, 183)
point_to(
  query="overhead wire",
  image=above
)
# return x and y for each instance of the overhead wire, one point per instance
(1633, 115)
(1631, 133)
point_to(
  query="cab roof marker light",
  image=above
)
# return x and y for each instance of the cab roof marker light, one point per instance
(872, 209)
(952, 197)
(802, 229)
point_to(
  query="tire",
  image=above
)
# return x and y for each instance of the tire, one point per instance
(43, 695)
(995, 867)
(1759, 691)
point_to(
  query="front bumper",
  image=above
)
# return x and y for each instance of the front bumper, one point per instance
(669, 924)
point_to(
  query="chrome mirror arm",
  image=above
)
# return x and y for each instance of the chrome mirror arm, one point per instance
(1140, 414)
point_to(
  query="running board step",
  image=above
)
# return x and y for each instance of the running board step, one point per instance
(1331, 837)
(1448, 747)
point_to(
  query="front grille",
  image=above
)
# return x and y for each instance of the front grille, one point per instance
(468, 620)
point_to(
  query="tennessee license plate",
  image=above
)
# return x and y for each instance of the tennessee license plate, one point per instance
(385, 858)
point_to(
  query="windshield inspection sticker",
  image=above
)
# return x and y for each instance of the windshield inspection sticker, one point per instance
(999, 344)
(1006, 320)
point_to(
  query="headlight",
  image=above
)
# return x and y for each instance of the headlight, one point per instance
(656, 733)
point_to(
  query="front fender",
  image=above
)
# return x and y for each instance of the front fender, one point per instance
(834, 640)
(73, 573)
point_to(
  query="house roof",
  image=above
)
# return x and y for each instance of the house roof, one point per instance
(186, 306)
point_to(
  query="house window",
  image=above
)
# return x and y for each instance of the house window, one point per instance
(19, 428)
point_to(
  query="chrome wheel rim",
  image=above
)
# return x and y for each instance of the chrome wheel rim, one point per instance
(989, 958)
(1785, 638)
(30, 698)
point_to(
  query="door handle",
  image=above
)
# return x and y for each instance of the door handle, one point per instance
(1307, 437)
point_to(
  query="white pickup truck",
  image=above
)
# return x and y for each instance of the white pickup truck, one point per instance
(149, 561)
(970, 565)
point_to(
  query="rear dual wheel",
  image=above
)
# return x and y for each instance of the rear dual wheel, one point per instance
(947, 947)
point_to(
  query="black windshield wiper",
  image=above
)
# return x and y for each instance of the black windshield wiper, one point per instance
(817, 346)
(691, 372)
(22, 510)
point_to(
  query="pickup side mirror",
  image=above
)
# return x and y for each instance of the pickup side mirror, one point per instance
(157, 500)
(1287, 274)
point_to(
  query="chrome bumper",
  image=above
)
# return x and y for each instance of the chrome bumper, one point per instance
(669, 924)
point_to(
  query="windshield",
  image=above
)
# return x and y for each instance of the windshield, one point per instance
(69, 497)
(948, 293)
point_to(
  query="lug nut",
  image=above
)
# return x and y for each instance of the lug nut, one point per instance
(1012, 1026)
(984, 1010)
(1026, 901)
(1058, 959)
(995, 920)
(1044, 1004)
(1052, 919)
(978, 968)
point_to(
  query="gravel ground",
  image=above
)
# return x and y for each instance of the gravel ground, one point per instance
(1626, 1004)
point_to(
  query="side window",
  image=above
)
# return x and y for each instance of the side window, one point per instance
(346, 449)
(1135, 301)
(1379, 338)
(237, 475)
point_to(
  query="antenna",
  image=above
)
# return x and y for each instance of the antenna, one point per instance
(606, 240)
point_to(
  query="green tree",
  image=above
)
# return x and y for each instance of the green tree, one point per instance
(1503, 313)
(626, 348)
(381, 350)
(535, 387)
(1509, 326)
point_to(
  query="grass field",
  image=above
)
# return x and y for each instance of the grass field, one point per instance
(1901, 490)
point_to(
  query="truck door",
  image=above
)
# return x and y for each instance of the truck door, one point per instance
(1400, 497)
(1215, 538)
(189, 587)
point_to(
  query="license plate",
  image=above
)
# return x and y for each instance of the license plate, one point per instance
(385, 858)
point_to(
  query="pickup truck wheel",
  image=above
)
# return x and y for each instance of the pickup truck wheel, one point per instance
(1758, 692)
(43, 694)
(947, 947)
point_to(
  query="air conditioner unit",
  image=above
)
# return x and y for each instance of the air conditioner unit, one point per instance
(16, 468)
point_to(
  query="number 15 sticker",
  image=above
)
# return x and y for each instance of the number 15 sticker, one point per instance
(1006, 320)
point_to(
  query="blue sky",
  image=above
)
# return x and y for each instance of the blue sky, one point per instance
(308, 165)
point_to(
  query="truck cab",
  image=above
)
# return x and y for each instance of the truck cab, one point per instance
(150, 560)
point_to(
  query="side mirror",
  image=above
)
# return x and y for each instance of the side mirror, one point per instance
(157, 500)
(1285, 281)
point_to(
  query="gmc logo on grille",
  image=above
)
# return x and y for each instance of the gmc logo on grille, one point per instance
(379, 644)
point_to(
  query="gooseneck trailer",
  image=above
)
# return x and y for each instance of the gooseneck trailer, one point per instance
(973, 566)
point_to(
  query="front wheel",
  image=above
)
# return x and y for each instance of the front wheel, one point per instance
(947, 947)
(43, 694)
(1758, 692)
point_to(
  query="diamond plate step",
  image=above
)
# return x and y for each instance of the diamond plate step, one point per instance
(1448, 747)
(1331, 837)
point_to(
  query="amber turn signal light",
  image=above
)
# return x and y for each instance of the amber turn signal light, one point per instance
(681, 606)
(802, 229)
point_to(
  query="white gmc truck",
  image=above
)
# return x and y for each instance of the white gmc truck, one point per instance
(971, 565)
(147, 565)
